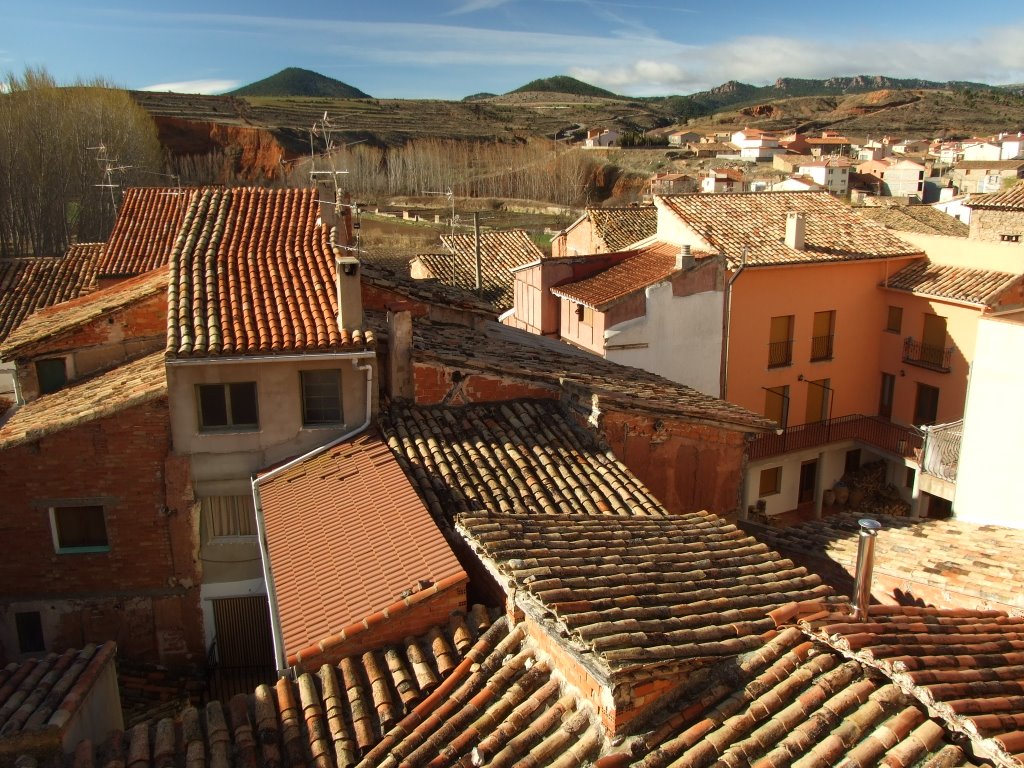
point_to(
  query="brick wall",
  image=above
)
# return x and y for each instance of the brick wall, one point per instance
(436, 384)
(688, 466)
(143, 592)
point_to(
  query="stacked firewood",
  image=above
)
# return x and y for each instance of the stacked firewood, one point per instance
(871, 494)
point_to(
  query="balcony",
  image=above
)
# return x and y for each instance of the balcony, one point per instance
(821, 348)
(925, 356)
(780, 353)
(942, 449)
(870, 430)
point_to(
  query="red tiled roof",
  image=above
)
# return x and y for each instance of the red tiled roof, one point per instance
(988, 165)
(916, 218)
(85, 400)
(147, 226)
(794, 702)
(641, 592)
(973, 563)
(1011, 199)
(620, 228)
(31, 283)
(757, 222)
(39, 694)
(68, 315)
(513, 457)
(649, 265)
(252, 272)
(507, 352)
(966, 667)
(500, 252)
(944, 281)
(348, 537)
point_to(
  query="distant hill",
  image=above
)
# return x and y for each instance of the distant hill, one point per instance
(566, 84)
(294, 81)
(482, 96)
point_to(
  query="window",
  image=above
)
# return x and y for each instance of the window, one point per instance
(926, 404)
(228, 516)
(321, 397)
(894, 324)
(79, 529)
(823, 335)
(885, 396)
(909, 477)
(224, 406)
(819, 403)
(771, 481)
(52, 375)
(30, 631)
(1010, 238)
(776, 404)
(780, 341)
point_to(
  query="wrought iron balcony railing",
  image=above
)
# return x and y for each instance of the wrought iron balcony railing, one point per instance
(874, 431)
(926, 356)
(821, 348)
(780, 353)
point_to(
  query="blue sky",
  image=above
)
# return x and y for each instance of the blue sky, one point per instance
(451, 48)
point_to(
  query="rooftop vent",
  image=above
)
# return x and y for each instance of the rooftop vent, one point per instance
(865, 565)
(684, 259)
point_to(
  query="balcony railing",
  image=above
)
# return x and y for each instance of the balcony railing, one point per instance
(780, 353)
(942, 449)
(926, 356)
(821, 347)
(896, 439)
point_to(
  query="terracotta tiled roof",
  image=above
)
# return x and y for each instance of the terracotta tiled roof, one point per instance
(1011, 199)
(72, 314)
(468, 689)
(944, 281)
(916, 218)
(795, 702)
(514, 457)
(757, 221)
(429, 291)
(966, 667)
(491, 347)
(32, 283)
(648, 265)
(632, 592)
(500, 252)
(977, 562)
(348, 537)
(252, 272)
(146, 229)
(86, 400)
(44, 693)
(620, 228)
(989, 165)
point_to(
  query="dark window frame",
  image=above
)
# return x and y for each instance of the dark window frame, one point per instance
(897, 326)
(62, 516)
(233, 404)
(322, 413)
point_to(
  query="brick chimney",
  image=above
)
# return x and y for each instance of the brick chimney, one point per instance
(796, 228)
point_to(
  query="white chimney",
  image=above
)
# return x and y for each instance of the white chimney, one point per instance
(684, 259)
(796, 228)
(350, 293)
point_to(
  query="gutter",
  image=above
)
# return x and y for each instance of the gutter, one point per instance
(261, 530)
(282, 358)
(723, 371)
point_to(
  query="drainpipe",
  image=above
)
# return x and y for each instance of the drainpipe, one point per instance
(723, 371)
(275, 618)
(865, 565)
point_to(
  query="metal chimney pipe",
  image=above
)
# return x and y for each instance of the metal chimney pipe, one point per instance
(865, 565)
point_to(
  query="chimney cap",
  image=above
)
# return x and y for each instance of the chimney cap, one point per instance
(870, 525)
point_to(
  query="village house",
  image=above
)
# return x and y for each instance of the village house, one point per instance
(986, 176)
(829, 143)
(682, 138)
(719, 180)
(601, 137)
(789, 163)
(670, 184)
(796, 183)
(831, 173)
(895, 177)
(756, 145)
(998, 217)
(605, 230)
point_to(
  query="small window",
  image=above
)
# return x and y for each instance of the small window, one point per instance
(30, 631)
(321, 397)
(894, 323)
(1010, 238)
(771, 481)
(910, 477)
(52, 375)
(228, 517)
(226, 406)
(79, 529)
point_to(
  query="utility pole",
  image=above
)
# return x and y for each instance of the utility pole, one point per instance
(476, 250)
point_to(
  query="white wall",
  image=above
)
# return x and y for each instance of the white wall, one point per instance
(963, 252)
(988, 487)
(683, 337)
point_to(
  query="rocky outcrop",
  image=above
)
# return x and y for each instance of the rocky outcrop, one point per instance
(256, 153)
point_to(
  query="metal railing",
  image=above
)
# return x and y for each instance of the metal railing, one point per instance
(871, 430)
(780, 353)
(926, 356)
(941, 451)
(821, 347)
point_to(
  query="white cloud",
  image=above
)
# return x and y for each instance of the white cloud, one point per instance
(195, 86)
(471, 6)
